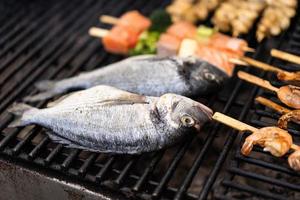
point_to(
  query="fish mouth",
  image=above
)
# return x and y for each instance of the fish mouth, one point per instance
(206, 110)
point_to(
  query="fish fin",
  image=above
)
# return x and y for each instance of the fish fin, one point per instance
(116, 102)
(45, 85)
(18, 110)
(40, 96)
(67, 143)
(57, 101)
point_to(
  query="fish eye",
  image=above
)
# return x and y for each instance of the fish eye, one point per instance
(210, 76)
(187, 121)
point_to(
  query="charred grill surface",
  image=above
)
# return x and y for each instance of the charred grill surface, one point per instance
(49, 40)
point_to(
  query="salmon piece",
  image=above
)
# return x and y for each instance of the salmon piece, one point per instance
(120, 39)
(182, 30)
(216, 57)
(225, 42)
(168, 45)
(135, 20)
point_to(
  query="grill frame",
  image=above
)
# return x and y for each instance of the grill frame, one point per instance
(65, 56)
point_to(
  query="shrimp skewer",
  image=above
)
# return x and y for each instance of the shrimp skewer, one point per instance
(289, 95)
(292, 77)
(287, 114)
(273, 139)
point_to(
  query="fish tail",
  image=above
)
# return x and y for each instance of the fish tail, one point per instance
(22, 112)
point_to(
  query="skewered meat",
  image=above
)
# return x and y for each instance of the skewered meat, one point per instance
(276, 18)
(135, 20)
(294, 160)
(286, 118)
(120, 40)
(237, 16)
(289, 95)
(288, 115)
(273, 139)
(191, 10)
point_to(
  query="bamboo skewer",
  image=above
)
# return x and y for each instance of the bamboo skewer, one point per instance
(233, 123)
(266, 102)
(98, 32)
(108, 19)
(261, 65)
(285, 56)
(240, 126)
(257, 81)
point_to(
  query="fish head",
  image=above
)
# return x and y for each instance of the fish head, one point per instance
(202, 76)
(182, 112)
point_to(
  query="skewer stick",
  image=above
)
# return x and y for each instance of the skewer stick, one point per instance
(233, 123)
(257, 81)
(261, 65)
(248, 49)
(238, 62)
(240, 126)
(108, 19)
(285, 56)
(266, 102)
(98, 32)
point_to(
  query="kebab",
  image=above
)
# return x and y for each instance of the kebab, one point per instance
(191, 10)
(287, 114)
(272, 139)
(290, 77)
(289, 95)
(183, 29)
(275, 18)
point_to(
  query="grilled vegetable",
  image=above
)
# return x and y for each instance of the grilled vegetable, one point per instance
(146, 44)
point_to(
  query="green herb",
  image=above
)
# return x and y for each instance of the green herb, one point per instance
(160, 20)
(146, 44)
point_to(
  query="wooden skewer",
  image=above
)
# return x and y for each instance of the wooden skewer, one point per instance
(238, 62)
(261, 65)
(257, 81)
(233, 123)
(285, 56)
(271, 104)
(238, 125)
(248, 49)
(108, 19)
(98, 32)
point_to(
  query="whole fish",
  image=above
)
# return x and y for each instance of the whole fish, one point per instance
(145, 75)
(106, 119)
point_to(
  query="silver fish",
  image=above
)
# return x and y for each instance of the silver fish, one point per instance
(106, 119)
(145, 75)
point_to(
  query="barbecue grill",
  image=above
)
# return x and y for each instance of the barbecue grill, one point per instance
(49, 40)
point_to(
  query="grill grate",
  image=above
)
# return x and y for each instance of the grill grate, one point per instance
(50, 41)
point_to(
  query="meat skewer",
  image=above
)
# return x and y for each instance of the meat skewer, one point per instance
(287, 114)
(114, 20)
(273, 139)
(285, 56)
(290, 77)
(289, 95)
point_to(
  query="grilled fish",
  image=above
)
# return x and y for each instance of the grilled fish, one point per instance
(145, 75)
(106, 119)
